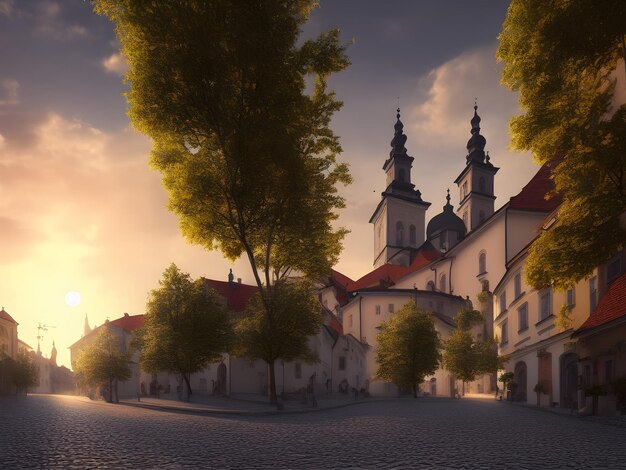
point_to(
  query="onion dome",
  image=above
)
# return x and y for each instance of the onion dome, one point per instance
(476, 143)
(399, 139)
(445, 221)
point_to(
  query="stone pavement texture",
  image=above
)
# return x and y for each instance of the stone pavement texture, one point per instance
(70, 432)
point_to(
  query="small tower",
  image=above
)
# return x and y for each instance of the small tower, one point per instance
(399, 218)
(476, 185)
(53, 354)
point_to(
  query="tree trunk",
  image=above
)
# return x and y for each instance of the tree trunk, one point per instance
(463, 388)
(187, 387)
(414, 390)
(273, 397)
(110, 390)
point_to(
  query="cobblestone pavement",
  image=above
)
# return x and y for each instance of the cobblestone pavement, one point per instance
(70, 432)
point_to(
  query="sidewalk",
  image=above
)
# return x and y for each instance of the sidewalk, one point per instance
(246, 404)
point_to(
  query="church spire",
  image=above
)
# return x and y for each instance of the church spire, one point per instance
(399, 139)
(476, 143)
(53, 354)
(86, 328)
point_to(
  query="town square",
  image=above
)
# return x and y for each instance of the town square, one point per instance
(312, 234)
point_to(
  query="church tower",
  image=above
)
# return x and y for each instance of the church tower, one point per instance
(476, 188)
(86, 327)
(53, 354)
(399, 218)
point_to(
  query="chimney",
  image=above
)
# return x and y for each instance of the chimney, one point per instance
(238, 280)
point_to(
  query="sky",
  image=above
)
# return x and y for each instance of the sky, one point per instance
(80, 209)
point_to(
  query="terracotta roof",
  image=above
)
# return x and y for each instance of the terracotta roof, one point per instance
(341, 283)
(236, 295)
(128, 322)
(388, 274)
(611, 307)
(5, 316)
(532, 197)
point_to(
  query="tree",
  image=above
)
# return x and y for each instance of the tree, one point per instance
(296, 316)
(186, 327)
(247, 156)
(408, 348)
(464, 356)
(562, 57)
(102, 364)
(25, 372)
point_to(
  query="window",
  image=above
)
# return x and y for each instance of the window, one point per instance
(613, 269)
(518, 285)
(442, 283)
(430, 286)
(350, 320)
(503, 302)
(545, 304)
(608, 370)
(412, 235)
(464, 193)
(377, 309)
(443, 241)
(391, 308)
(505, 333)
(522, 315)
(298, 370)
(482, 263)
(481, 185)
(593, 293)
(342, 362)
(570, 297)
(399, 233)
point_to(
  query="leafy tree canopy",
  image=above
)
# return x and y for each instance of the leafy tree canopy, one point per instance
(408, 347)
(102, 362)
(25, 372)
(562, 57)
(296, 317)
(186, 326)
(245, 149)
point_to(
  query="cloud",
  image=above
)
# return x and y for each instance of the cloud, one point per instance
(49, 22)
(6, 7)
(116, 64)
(9, 92)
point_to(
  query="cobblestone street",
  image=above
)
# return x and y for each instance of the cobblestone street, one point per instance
(70, 432)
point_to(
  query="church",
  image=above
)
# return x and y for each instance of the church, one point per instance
(469, 257)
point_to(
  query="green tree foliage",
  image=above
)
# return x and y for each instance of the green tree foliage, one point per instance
(466, 357)
(561, 56)
(296, 316)
(25, 372)
(408, 348)
(246, 153)
(186, 327)
(102, 363)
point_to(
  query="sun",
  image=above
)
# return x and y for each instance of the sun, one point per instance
(72, 298)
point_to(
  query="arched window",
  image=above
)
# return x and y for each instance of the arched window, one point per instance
(481, 216)
(430, 286)
(399, 234)
(481, 185)
(482, 263)
(401, 175)
(412, 235)
(442, 283)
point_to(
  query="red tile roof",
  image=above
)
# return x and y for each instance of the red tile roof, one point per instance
(341, 283)
(532, 197)
(611, 307)
(5, 316)
(388, 274)
(236, 295)
(129, 322)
